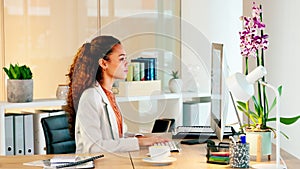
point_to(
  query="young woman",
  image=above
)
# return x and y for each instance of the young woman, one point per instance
(94, 114)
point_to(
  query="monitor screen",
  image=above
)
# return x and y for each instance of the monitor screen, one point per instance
(218, 95)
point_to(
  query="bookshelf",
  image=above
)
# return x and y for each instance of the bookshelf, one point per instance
(174, 102)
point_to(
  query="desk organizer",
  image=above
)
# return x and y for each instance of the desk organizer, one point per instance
(239, 155)
(218, 154)
(139, 88)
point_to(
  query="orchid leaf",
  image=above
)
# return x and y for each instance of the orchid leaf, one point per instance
(254, 115)
(257, 106)
(274, 131)
(244, 111)
(280, 90)
(242, 104)
(275, 100)
(285, 120)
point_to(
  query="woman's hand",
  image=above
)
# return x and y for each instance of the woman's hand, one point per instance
(149, 141)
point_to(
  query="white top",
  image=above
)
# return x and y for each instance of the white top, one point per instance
(96, 128)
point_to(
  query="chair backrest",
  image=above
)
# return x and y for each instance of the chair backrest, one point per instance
(57, 135)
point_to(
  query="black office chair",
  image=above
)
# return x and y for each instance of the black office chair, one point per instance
(57, 135)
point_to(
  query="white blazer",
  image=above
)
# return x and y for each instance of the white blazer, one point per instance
(96, 128)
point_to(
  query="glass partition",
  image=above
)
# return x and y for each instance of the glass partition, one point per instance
(46, 34)
(147, 28)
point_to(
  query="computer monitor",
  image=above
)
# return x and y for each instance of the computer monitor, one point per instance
(219, 95)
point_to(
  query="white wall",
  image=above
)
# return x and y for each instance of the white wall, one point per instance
(218, 21)
(283, 25)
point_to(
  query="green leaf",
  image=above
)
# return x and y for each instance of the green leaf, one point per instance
(242, 109)
(27, 72)
(285, 120)
(8, 73)
(18, 72)
(257, 106)
(279, 90)
(242, 104)
(23, 72)
(254, 115)
(273, 105)
(12, 71)
(274, 131)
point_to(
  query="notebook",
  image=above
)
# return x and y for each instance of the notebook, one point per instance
(61, 161)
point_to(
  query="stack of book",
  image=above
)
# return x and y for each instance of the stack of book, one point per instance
(141, 78)
(142, 69)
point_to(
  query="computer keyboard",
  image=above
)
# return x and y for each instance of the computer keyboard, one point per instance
(195, 132)
(196, 129)
(174, 146)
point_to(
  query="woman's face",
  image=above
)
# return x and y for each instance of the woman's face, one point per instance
(117, 65)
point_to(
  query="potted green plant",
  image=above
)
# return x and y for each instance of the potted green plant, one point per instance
(19, 83)
(175, 84)
(253, 44)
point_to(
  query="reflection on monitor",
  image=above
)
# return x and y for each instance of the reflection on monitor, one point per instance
(218, 94)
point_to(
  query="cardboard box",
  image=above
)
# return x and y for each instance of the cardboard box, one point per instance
(139, 88)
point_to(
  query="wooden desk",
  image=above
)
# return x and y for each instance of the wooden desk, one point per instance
(191, 156)
(110, 161)
(194, 156)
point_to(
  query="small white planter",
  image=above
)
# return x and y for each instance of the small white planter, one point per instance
(19, 91)
(62, 92)
(175, 85)
(266, 144)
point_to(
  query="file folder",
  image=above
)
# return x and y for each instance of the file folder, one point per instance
(19, 134)
(39, 138)
(9, 135)
(28, 134)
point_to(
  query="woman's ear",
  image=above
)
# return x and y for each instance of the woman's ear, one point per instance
(102, 63)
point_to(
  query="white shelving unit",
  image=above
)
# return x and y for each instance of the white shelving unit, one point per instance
(4, 106)
(173, 105)
(142, 111)
(163, 96)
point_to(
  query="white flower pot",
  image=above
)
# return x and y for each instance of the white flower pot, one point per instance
(266, 147)
(175, 85)
(19, 91)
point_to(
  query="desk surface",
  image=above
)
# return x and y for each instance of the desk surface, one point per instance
(191, 156)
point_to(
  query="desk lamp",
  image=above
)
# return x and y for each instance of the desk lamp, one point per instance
(242, 87)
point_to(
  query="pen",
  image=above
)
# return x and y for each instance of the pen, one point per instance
(79, 162)
(233, 140)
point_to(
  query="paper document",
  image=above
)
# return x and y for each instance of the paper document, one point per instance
(60, 160)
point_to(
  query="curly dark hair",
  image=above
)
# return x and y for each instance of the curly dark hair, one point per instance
(84, 72)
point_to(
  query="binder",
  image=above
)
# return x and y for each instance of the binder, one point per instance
(39, 138)
(19, 134)
(9, 134)
(28, 134)
(56, 112)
